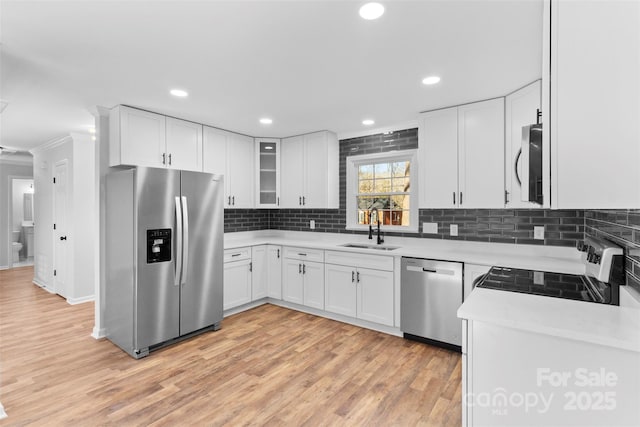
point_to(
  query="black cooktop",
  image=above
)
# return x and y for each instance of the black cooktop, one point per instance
(567, 286)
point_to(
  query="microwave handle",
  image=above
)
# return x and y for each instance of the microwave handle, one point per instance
(515, 166)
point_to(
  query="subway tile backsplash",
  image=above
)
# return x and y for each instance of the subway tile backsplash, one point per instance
(245, 220)
(621, 227)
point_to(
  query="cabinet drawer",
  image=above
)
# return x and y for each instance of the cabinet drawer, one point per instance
(237, 254)
(354, 259)
(304, 254)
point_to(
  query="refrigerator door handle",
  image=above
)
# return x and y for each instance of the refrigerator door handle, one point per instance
(185, 241)
(178, 253)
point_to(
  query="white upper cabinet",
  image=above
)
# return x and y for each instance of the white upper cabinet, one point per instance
(232, 155)
(292, 172)
(438, 153)
(309, 171)
(141, 138)
(595, 104)
(240, 170)
(462, 156)
(481, 154)
(184, 144)
(521, 109)
(268, 172)
(136, 138)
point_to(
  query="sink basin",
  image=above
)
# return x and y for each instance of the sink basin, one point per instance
(364, 246)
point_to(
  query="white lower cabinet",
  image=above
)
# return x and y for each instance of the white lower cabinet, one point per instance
(303, 283)
(359, 292)
(303, 279)
(274, 271)
(237, 281)
(260, 268)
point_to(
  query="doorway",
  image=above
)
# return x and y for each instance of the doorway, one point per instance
(21, 222)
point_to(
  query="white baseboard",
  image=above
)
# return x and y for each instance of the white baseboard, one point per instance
(42, 285)
(3, 414)
(338, 317)
(99, 333)
(74, 301)
(4, 267)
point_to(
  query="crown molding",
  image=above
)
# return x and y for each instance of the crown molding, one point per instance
(56, 142)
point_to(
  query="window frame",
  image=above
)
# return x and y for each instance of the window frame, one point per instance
(352, 164)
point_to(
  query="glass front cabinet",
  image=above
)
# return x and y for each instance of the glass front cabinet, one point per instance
(268, 176)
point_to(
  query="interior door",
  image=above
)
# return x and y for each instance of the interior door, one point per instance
(60, 226)
(201, 282)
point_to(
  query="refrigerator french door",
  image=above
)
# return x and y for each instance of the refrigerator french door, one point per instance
(164, 249)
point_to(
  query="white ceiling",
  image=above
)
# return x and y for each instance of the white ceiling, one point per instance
(309, 65)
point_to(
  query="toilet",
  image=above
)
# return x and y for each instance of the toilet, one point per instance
(16, 246)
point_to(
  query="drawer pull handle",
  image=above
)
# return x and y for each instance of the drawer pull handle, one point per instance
(236, 255)
(301, 254)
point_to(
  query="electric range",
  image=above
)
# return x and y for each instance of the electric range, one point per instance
(604, 273)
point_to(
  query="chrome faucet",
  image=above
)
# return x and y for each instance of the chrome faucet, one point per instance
(380, 240)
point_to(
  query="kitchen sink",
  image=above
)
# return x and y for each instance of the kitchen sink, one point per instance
(364, 246)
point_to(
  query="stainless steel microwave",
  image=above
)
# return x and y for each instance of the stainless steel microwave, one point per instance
(529, 164)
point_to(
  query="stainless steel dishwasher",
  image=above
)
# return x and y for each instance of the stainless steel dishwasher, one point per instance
(430, 294)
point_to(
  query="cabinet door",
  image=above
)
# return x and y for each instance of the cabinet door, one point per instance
(292, 289)
(595, 105)
(184, 145)
(438, 157)
(375, 296)
(268, 173)
(315, 171)
(481, 154)
(142, 138)
(214, 151)
(340, 289)
(292, 172)
(240, 170)
(313, 273)
(259, 272)
(237, 283)
(520, 110)
(274, 272)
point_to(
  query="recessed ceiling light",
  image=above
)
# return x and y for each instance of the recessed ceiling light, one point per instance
(266, 121)
(431, 80)
(368, 122)
(179, 93)
(371, 11)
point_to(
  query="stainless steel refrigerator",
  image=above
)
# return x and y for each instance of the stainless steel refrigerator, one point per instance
(164, 251)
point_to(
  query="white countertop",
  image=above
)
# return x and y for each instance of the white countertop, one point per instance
(531, 257)
(602, 324)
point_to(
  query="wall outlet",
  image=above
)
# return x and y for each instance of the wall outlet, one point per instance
(453, 229)
(312, 224)
(430, 227)
(538, 232)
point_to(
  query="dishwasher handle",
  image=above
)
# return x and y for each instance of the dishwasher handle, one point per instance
(430, 270)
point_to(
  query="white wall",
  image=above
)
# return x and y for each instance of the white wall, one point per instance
(8, 169)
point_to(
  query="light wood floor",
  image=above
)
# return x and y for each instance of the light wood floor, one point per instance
(266, 366)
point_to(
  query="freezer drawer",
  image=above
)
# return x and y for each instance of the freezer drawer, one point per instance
(431, 293)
